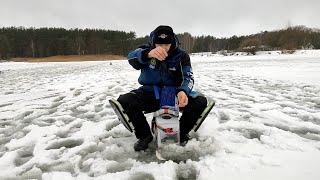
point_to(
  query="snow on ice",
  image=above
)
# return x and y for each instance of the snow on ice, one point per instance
(55, 122)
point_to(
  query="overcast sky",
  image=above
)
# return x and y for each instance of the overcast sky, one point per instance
(220, 18)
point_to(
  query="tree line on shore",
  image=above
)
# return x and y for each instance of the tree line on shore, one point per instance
(44, 42)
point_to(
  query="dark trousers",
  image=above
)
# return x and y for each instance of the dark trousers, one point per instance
(137, 101)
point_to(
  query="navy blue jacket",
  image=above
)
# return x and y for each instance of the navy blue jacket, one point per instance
(175, 70)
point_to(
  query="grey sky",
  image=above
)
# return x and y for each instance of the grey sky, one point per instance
(220, 18)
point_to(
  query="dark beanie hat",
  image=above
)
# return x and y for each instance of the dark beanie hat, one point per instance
(163, 35)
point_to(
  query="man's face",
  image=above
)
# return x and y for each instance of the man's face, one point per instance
(164, 46)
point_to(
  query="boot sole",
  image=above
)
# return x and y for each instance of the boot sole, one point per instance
(122, 116)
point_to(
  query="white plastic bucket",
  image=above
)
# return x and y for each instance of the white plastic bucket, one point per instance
(167, 130)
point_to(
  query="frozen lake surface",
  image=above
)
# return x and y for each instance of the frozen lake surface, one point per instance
(55, 121)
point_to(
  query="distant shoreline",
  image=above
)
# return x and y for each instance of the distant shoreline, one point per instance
(70, 58)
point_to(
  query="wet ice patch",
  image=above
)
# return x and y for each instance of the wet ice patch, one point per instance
(67, 143)
(187, 171)
(141, 175)
(193, 150)
(24, 155)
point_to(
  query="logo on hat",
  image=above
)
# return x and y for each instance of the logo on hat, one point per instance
(163, 36)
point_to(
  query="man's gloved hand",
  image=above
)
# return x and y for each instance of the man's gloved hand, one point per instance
(182, 98)
(158, 53)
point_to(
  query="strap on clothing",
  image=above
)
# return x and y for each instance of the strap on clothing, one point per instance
(156, 90)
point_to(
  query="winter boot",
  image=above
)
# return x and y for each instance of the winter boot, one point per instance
(142, 144)
(184, 138)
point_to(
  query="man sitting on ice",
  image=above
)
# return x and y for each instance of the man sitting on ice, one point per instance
(162, 63)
